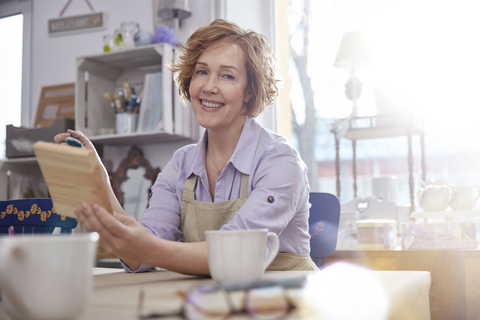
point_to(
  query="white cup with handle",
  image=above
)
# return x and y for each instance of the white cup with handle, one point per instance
(46, 276)
(239, 255)
(464, 197)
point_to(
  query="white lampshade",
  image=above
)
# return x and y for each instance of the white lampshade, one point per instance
(171, 9)
(353, 53)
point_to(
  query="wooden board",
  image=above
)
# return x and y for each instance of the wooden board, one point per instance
(73, 176)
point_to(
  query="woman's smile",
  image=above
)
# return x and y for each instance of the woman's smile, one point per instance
(211, 104)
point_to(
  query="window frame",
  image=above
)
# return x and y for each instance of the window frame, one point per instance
(10, 8)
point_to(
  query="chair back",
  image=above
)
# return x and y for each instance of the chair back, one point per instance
(323, 225)
(28, 216)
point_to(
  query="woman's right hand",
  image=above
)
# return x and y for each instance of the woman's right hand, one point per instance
(61, 137)
(87, 144)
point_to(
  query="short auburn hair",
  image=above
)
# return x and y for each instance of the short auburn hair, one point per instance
(261, 64)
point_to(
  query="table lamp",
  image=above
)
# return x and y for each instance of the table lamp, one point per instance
(352, 55)
(175, 10)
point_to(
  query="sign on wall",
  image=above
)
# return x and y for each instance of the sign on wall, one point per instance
(86, 22)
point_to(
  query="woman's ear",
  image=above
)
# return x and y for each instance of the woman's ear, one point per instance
(248, 97)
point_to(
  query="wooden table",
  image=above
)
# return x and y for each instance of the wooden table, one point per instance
(115, 293)
(455, 289)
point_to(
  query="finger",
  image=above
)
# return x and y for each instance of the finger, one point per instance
(79, 136)
(125, 219)
(82, 220)
(111, 222)
(119, 236)
(87, 144)
(60, 138)
(103, 222)
(107, 239)
(91, 220)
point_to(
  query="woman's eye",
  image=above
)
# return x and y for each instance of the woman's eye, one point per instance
(201, 72)
(228, 76)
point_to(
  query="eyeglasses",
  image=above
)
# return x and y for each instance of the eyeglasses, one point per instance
(211, 301)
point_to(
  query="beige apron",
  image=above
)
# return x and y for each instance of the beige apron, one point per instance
(198, 216)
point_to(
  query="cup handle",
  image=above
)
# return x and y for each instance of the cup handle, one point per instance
(11, 253)
(274, 251)
(478, 191)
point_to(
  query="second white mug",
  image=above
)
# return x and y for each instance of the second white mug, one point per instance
(464, 197)
(237, 255)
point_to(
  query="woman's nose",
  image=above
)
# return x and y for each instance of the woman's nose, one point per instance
(211, 86)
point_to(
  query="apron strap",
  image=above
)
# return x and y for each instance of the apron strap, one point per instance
(190, 183)
(244, 186)
(245, 177)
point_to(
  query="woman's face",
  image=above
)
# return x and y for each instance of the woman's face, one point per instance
(217, 88)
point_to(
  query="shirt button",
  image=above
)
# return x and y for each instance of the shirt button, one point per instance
(270, 199)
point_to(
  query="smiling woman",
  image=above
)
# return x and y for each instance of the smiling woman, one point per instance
(239, 176)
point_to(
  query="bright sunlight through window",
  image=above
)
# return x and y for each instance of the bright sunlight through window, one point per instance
(11, 37)
(425, 62)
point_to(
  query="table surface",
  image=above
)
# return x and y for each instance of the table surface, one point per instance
(455, 282)
(115, 293)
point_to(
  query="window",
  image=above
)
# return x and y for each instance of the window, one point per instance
(11, 78)
(15, 31)
(426, 63)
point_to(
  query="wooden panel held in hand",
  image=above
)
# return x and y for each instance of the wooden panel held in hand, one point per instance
(73, 176)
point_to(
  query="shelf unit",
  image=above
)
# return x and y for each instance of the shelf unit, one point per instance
(25, 165)
(383, 126)
(107, 72)
(14, 163)
(104, 72)
(445, 214)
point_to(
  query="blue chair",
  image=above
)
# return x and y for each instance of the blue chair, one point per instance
(323, 226)
(31, 216)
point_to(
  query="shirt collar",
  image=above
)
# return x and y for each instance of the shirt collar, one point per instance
(247, 145)
(198, 165)
(243, 154)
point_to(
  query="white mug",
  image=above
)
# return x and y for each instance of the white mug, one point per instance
(45, 276)
(238, 255)
(464, 197)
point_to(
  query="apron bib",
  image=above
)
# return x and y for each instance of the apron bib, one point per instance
(197, 216)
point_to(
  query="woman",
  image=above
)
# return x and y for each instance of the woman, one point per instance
(239, 176)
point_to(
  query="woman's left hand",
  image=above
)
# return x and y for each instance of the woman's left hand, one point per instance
(131, 242)
(120, 234)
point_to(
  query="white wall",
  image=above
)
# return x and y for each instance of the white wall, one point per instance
(53, 57)
(257, 15)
